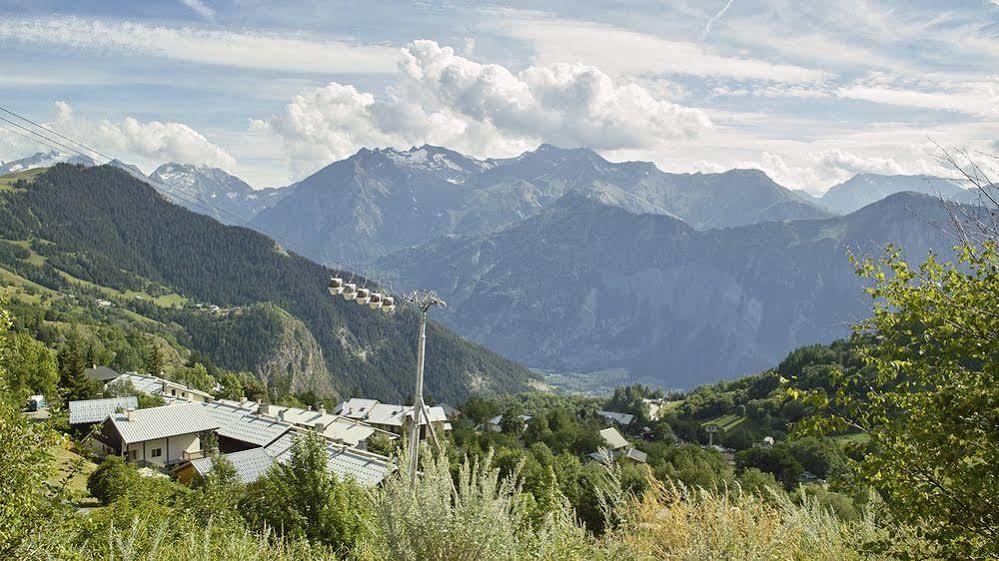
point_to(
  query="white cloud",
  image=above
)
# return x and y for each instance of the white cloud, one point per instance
(226, 48)
(199, 8)
(147, 144)
(977, 98)
(482, 109)
(626, 52)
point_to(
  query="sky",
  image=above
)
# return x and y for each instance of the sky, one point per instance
(810, 92)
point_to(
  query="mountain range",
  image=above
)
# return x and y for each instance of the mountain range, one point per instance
(380, 201)
(228, 198)
(866, 188)
(565, 261)
(588, 286)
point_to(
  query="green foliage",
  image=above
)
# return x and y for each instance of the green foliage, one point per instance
(302, 498)
(25, 464)
(113, 479)
(477, 515)
(777, 461)
(928, 399)
(125, 388)
(31, 368)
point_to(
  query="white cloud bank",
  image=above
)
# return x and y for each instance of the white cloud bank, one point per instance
(147, 144)
(482, 109)
(225, 48)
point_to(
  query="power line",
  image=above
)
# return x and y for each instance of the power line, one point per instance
(43, 127)
(35, 140)
(56, 142)
(169, 190)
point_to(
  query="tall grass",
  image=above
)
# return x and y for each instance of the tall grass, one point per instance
(675, 522)
(476, 516)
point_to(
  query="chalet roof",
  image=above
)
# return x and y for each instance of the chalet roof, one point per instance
(241, 424)
(623, 419)
(146, 384)
(96, 410)
(635, 454)
(613, 438)
(449, 410)
(365, 468)
(282, 444)
(250, 464)
(101, 373)
(357, 407)
(162, 422)
(348, 431)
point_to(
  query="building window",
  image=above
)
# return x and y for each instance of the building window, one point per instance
(173, 392)
(157, 452)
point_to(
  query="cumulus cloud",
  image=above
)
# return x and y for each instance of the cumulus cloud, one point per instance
(818, 170)
(225, 48)
(483, 109)
(151, 143)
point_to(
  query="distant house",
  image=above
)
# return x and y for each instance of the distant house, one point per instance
(351, 431)
(167, 389)
(357, 407)
(623, 419)
(392, 417)
(160, 436)
(102, 374)
(618, 447)
(90, 411)
(496, 423)
(450, 412)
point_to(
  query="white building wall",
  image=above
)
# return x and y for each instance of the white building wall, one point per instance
(172, 448)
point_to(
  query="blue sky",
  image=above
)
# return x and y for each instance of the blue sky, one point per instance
(810, 92)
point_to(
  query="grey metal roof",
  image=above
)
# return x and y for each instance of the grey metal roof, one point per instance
(613, 438)
(282, 444)
(96, 410)
(348, 431)
(161, 422)
(619, 418)
(636, 454)
(250, 464)
(145, 384)
(364, 467)
(347, 463)
(357, 407)
(240, 424)
(101, 373)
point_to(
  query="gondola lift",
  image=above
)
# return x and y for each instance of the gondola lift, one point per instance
(336, 286)
(349, 291)
(363, 295)
(375, 301)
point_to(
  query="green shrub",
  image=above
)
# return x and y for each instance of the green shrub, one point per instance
(111, 480)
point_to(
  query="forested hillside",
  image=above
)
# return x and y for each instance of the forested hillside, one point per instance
(103, 227)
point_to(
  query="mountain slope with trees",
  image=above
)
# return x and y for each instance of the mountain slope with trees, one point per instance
(103, 227)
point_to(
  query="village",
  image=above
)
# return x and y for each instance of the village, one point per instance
(182, 438)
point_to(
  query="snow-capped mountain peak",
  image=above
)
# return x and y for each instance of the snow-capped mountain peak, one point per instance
(44, 160)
